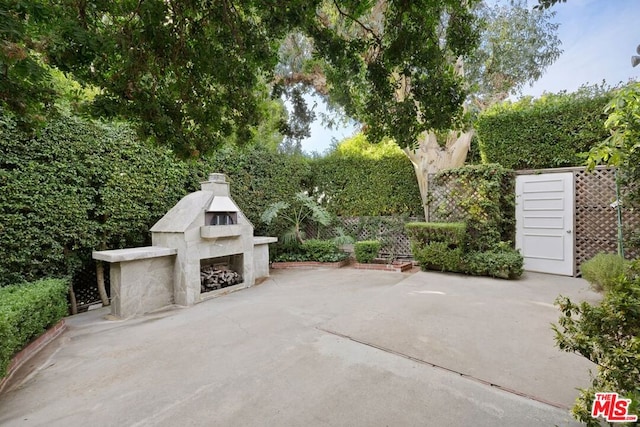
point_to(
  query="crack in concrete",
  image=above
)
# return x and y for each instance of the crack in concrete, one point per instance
(452, 371)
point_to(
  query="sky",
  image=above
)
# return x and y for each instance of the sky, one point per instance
(598, 39)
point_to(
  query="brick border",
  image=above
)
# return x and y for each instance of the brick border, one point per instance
(398, 267)
(31, 350)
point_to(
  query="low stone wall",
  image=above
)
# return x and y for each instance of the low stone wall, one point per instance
(141, 279)
(261, 256)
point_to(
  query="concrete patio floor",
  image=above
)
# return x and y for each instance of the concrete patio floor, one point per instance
(317, 348)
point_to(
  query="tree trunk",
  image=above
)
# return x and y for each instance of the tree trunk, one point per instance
(72, 300)
(101, 287)
(429, 158)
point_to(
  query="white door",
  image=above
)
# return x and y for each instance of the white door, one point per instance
(544, 222)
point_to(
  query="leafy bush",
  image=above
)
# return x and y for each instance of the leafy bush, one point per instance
(603, 270)
(26, 311)
(503, 262)
(76, 186)
(547, 132)
(608, 335)
(294, 215)
(439, 256)
(313, 250)
(621, 148)
(453, 233)
(360, 178)
(437, 246)
(366, 250)
(322, 250)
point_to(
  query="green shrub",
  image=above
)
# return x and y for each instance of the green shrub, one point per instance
(26, 311)
(603, 270)
(313, 250)
(76, 186)
(439, 256)
(366, 179)
(503, 262)
(322, 250)
(452, 233)
(608, 335)
(366, 250)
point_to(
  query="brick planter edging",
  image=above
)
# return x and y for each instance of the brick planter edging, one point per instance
(397, 267)
(309, 264)
(31, 350)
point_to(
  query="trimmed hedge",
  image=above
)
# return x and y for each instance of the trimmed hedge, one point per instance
(79, 185)
(452, 233)
(26, 311)
(439, 256)
(547, 132)
(76, 186)
(313, 250)
(363, 179)
(366, 250)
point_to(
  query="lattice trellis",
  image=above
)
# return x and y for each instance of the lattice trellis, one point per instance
(443, 206)
(388, 229)
(595, 220)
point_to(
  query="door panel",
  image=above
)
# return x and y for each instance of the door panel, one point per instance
(544, 222)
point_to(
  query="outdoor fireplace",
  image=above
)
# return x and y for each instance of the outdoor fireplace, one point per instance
(203, 247)
(206, 225)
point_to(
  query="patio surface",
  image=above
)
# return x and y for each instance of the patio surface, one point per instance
(317, 348)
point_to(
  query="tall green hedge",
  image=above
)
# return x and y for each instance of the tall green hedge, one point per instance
(76, 186)
(367, 180)
(26, 311)
(547, 132)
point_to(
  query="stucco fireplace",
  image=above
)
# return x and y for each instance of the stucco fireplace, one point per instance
(204, 234)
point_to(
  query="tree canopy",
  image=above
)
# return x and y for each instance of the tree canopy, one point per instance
(191, 72)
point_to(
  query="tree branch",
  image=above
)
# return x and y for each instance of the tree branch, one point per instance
(354, 19)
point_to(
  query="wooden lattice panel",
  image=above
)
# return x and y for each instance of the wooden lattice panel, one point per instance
(387, 229)
(596, 225)
(443, 205)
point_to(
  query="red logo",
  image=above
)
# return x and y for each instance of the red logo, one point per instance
(612, 407)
